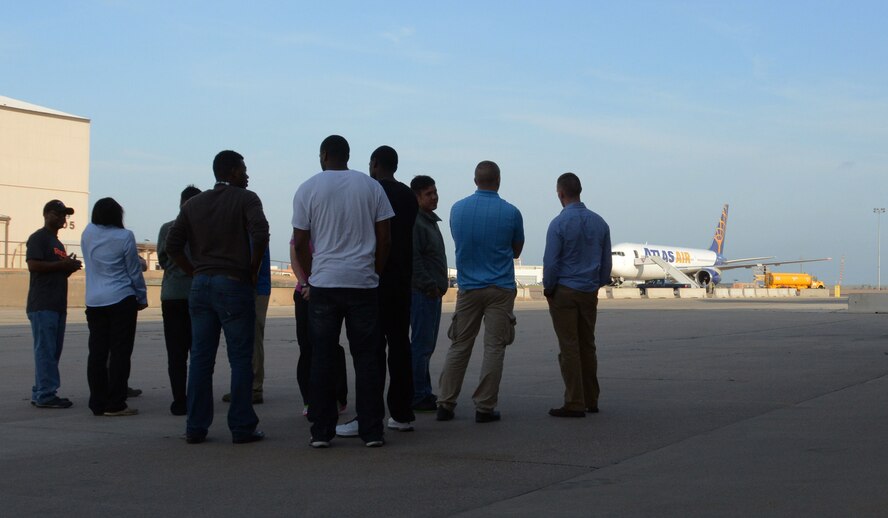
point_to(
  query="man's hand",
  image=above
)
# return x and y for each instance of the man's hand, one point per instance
(140, 307)
(306, 292)
(71, 265)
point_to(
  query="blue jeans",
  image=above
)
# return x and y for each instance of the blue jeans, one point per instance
(221, 303)
(425, 319)
(360, 310)
(48, 328)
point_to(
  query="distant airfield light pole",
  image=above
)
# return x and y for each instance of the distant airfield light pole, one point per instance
(879, 211)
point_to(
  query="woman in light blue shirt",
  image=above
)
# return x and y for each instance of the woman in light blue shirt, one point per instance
(115, 292)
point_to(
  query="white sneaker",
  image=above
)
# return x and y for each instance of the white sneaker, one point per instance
(349, 429)
(397, 425)
(318, 443)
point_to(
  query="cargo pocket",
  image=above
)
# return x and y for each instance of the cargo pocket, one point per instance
(452, 331)
(510, 329)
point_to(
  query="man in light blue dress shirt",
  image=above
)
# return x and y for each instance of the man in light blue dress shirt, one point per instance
(576, 263)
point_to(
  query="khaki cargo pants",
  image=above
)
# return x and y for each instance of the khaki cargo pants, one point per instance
(494, 306)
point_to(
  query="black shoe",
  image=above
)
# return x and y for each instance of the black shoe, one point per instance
(131, 392)
(253, 437)
(592, 410)
(195, 439)
(563, 412)
(444, 414)
(55, 402)
(487, 417)
(178, 408)
(427, 404)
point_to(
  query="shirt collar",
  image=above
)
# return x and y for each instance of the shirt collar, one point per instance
(431, 216)
(484, 192)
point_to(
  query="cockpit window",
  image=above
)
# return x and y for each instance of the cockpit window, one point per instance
(621, 254)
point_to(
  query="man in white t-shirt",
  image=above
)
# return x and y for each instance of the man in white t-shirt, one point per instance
(345, 215)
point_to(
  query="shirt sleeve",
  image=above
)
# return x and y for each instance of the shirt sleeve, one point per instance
(604, 274)
(162, 257)
(301, 214)
(177, 235)
(134, 268)
(518, 231)
(551, 256)
(384, 209)
(37, 247)
(421, 276)
(257, 225)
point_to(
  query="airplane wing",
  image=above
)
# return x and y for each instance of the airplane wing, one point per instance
(747, 259)
(729, 266)
(772, 263)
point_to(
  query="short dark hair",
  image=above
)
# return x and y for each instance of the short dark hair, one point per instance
(224, 162)
(487, 173)
(421, 182)
(187, 193)
(387, 158)
(336, 147)
(107, 212)
(569, 183)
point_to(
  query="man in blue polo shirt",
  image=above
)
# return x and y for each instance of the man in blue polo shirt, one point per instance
(489, 235)
(576, 263)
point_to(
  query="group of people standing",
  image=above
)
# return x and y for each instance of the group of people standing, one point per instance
(367, 252)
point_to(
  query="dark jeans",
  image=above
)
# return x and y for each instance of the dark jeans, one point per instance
(303, 366)
(112, 333)
(425, 319)
(394, 318)
(177, 335)
(359, 308)
(221, 303)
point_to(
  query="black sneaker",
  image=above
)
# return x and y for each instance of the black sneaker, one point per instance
(444, 414)
(131, 392)
(487, 417)
(178, 408)
(195, 439)
(428, 404)
(55, 402)
(257, 435)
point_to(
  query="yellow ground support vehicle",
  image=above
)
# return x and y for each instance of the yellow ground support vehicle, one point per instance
(799, 281)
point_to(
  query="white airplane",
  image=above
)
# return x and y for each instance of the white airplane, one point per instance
(695, 266)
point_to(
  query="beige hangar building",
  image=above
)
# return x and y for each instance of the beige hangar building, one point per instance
(44, 155)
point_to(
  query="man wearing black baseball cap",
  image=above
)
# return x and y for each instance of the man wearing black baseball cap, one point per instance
(49, 266)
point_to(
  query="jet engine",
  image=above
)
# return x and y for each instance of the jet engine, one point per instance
(707, 276)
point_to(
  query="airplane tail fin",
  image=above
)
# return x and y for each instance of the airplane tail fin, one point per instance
(718, 241)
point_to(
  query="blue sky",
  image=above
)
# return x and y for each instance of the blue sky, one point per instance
(666, 110)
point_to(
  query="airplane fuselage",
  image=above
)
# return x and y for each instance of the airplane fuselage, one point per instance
(629, 264)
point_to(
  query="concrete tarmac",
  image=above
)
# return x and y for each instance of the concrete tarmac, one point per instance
(708, 408)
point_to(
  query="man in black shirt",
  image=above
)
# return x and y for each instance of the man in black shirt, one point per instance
(49, 266)
(226, 233)
(394, 295)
